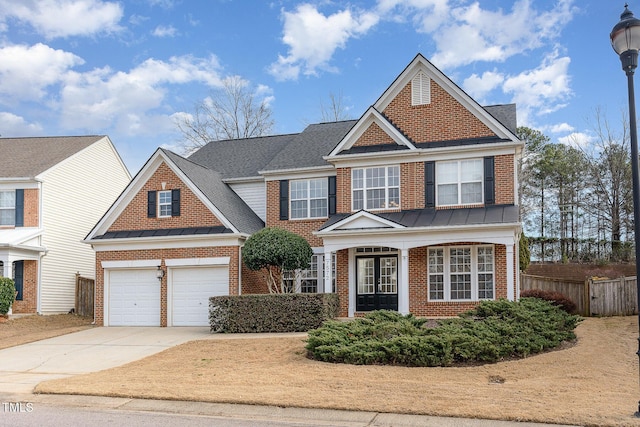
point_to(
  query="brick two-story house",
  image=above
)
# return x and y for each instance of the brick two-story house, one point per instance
(412, 207)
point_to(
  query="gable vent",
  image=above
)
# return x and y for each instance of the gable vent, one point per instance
(420, 89)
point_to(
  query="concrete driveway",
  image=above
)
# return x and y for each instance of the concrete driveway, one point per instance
(23, 367)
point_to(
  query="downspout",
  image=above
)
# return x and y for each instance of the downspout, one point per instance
(240, 269)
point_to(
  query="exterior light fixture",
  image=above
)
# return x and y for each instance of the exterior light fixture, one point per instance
(625, 39)
(159, 273)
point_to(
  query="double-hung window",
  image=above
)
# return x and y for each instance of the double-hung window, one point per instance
(164, 204)
(309, 198)
(376, 188)
(7, 208)
(459, 182)
(461, 273)
(306, 281)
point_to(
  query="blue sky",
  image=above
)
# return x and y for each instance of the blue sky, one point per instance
(128, 69)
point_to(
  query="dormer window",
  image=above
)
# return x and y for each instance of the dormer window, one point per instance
(421, 89)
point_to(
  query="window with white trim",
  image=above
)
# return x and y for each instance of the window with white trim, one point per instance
(308, 198)
(375, 188)
(164, 203)
(7, 207)
(459, 182)
(306, 281)
(461, 273)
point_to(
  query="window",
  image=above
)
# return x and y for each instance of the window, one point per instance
(7, 208)
(309, 198)
(164, 203)
(376, 188)
(306, 281)
(459, 182)
(461, 273)
(420, 89)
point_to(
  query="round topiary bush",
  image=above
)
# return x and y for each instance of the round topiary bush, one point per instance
(7, 294)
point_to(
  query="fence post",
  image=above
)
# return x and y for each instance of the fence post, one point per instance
(587, 297)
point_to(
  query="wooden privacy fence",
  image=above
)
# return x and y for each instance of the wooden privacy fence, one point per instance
(85, 294)
(593, 297)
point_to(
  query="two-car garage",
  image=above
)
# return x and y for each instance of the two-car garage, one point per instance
(133, 293)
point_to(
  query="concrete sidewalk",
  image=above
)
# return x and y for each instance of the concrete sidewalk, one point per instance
(261, 414)
(24, 366)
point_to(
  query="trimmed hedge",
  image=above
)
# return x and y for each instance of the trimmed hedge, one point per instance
(494, 331)
(271, 312)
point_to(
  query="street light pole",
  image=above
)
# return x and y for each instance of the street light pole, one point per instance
(625, 39)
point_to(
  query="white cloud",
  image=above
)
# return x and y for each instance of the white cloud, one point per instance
(479, 86)
(313, 38)
(426, 15)
(12, 125)
(26, 71)
(560, 128)
(577, 139)
(131, 101)
(473, 34)
(165, 31)
(64, 18)
(542, 90)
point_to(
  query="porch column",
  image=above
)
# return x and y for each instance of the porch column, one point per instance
(403, 288)
(510, 273)
(327, 273)
(6, 267)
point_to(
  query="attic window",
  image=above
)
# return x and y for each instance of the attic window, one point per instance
(420, 89)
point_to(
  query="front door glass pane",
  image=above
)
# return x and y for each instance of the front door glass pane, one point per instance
(366, 276)
(388, 283)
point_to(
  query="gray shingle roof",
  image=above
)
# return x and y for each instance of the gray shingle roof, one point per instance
(241, 158)
(505, 114)
(494, 214)
(210, 183)
(29, 157)
(308, 147)
(161, 232)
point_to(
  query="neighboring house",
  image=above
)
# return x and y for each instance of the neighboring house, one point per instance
(52, 191)
(413, 206)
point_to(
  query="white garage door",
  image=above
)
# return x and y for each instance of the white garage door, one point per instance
(134, 298)
(191, 289)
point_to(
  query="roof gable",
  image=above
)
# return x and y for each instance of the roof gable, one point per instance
(372, 119)
(361, 220)
(448, 87)
(204, 183)
(29, 157)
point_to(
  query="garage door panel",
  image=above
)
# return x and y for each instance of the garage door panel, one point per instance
(134, 298)
(192, 288)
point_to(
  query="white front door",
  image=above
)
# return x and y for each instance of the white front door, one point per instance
(191, 288)
(134, 298)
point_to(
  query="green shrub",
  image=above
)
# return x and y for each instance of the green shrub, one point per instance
(7, 294)
(554, 297)
(271, 312)
(493, 331)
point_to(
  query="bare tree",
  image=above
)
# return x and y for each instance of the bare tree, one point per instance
(334, 110)
(230, 112)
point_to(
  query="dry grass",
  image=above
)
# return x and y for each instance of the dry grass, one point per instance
(26, 329)
(594, 382)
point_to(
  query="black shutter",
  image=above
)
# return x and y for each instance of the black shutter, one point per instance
(284, 199)
(489, 181)
(151, 204)
(20, 208)
(175, 202)
(430, 184)
(332, 195)
(18, 277)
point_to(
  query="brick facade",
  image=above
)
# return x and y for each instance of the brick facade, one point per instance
(29, 302)
(31, 207)
(193, 213)
(444, 119)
